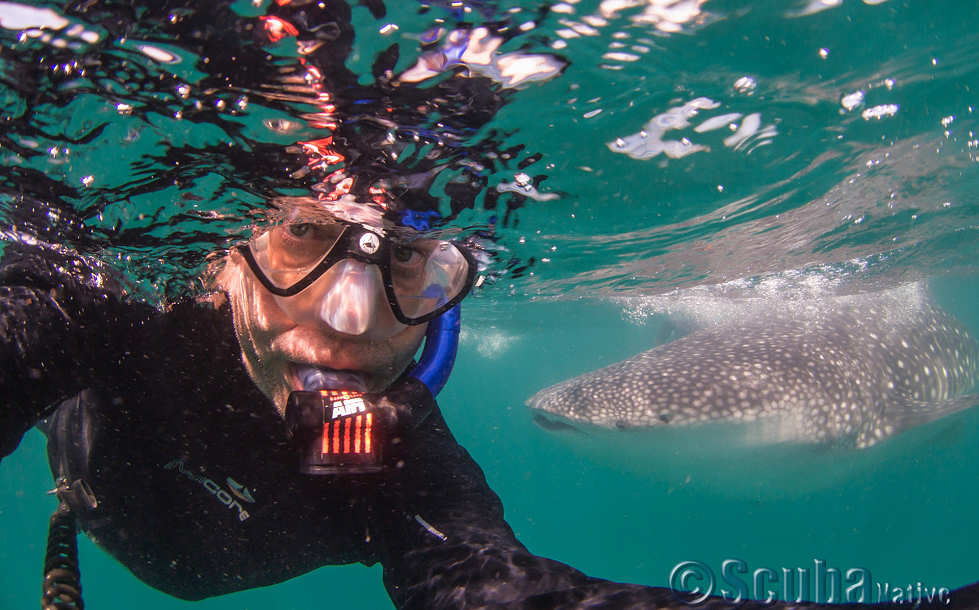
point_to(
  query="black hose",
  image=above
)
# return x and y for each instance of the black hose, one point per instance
(62, 588)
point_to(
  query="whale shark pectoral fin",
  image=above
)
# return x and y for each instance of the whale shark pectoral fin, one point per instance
(908, 413)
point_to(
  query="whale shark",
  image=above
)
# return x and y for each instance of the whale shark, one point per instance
(849, 371)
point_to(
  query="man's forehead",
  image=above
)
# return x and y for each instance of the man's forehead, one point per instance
(347, 210)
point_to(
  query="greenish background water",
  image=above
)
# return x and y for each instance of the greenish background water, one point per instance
(831, 198)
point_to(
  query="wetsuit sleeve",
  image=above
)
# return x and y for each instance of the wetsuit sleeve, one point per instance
(59, 325)
(448, 546)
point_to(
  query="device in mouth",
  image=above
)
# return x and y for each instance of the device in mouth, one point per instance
(335, 426)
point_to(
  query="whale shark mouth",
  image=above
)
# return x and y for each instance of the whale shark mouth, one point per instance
(553, 423)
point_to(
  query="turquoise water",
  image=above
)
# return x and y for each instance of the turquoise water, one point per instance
(860, 174)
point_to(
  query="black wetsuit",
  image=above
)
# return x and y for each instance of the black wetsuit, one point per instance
(197, 485)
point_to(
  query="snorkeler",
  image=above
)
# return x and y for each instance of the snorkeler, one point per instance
(172, 452)
(281, 425)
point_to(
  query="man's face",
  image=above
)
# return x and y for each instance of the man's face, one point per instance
(274, 345)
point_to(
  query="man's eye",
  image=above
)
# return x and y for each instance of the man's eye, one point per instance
(403, 254)
(300, 230)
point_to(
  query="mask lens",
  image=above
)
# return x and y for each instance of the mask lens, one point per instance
(287, 253)
(427, 274)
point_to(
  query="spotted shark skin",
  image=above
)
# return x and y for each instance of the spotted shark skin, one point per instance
(852, 374)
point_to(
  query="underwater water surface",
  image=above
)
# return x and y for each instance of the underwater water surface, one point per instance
(691, 153)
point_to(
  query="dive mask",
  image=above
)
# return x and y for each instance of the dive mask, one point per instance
(422, 278)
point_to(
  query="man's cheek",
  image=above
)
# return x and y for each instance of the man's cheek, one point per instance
(267, 318)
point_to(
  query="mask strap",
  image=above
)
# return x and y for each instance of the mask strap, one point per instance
(441, 343)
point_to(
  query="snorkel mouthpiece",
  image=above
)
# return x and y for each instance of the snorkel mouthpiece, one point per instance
(314, 378)
(334, 427)
(338, 428)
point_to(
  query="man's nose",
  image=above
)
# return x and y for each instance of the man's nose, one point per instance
(353, 303)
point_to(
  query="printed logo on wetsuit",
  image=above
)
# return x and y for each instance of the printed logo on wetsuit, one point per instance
(239, 490)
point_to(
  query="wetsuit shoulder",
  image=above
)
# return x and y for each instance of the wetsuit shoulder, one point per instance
(66, 324)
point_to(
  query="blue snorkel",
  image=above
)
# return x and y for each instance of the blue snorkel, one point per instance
(439, 355)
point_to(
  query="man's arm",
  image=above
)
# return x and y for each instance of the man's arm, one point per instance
(446, 544)
(58, 319)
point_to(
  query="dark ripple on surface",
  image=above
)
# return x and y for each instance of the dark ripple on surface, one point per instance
(151, 136)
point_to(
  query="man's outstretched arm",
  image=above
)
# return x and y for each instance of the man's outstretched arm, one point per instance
(446, 544)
